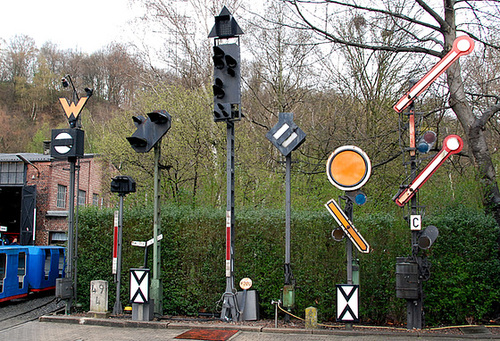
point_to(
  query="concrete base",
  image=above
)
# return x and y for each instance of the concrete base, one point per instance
(143, 312)
(98, 314)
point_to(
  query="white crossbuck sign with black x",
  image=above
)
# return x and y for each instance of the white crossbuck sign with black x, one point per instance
(347, 303)
(139, 285)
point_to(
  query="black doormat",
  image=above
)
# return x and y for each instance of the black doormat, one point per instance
(207, 334)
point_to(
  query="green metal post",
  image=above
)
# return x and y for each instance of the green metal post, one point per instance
(156, 285)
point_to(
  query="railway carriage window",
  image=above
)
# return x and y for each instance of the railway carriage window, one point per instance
(47, 263)
(3, 264)
(21, 269)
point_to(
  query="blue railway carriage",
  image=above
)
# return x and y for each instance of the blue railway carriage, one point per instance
(25, 269)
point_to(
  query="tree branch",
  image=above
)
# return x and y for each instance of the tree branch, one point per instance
(442, 23)
(334, 39)
(386, 12)
(487, 114)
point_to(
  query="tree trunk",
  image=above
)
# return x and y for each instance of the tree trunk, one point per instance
(474, 127)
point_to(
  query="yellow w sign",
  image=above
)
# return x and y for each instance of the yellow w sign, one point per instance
(71, 109)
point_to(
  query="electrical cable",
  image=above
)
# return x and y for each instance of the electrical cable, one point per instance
(378, 327)
(384, 327)
(289, 313)
(300, 318)
(464, 326)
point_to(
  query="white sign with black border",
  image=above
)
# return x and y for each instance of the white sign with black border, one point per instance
(347, 303)
(415, 222)
(139, 286)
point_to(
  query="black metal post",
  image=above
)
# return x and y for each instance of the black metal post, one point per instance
(349, 211)
(230, 305)
(348, 248)
(70, 245)
(156, 283)
(414, 307)
(288, 271)
(75, 236)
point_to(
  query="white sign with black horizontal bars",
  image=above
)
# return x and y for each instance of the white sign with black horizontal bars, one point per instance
(347, 303)
(139, 286)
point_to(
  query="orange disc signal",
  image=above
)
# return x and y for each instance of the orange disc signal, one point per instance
(348, 168)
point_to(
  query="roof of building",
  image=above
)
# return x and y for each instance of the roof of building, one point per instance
(31, 157)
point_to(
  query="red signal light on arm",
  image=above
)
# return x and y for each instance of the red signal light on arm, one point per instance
(461, 46)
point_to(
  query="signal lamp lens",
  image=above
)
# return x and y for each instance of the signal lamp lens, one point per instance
(429, 137)
(423, 147)
(360, 199)
(426, 142)
(453, 143)
(338, 234)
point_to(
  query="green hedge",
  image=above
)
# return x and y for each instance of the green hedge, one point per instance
(464, 282)
(465, 277)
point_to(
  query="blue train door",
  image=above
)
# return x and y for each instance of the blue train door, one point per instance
(3, 270)
(28, 209)
(21, 269)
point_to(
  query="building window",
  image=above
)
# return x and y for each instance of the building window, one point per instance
(61, 196)
(81, 197)
(11, 173)
(57, 238)
(95, 199)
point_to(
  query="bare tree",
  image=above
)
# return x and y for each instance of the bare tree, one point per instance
(430, 29)
(113, 72)
(183, 26)
(18, 59)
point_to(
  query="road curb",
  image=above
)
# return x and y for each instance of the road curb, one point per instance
(122, 323)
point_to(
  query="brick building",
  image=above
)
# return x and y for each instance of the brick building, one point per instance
(34, 195)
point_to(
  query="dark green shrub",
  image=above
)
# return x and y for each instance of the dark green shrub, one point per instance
(464, 282)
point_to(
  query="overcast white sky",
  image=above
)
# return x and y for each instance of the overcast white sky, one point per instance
(83, 25)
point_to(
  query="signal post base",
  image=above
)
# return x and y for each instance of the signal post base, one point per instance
(229, 311)
(156, 296)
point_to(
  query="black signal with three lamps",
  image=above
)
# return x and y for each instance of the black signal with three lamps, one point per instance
(227, 76)
(227, 108)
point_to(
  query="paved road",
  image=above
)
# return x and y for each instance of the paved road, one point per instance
(84, 329)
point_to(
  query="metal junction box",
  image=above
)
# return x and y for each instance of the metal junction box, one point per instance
(64, 288)
(407, 279)
(251, 305)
